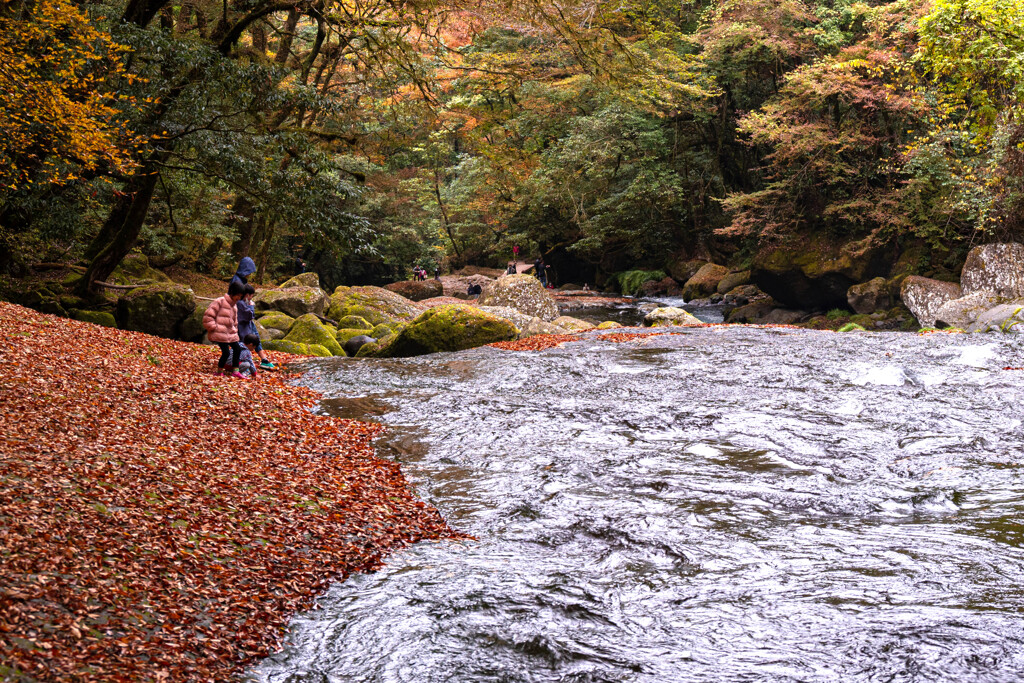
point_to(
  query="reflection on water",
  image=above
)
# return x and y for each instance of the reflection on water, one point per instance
(724, 504)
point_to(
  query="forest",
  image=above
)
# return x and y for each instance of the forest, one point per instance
(367, 136)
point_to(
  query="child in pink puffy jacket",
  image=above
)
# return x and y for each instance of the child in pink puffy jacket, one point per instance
(221, 323)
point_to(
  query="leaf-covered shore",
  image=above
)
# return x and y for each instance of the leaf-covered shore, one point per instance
(161, 523)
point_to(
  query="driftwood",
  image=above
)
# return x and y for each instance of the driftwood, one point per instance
(57, 266)
(111, 285)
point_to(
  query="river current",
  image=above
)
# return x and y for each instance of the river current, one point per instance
(719, 504)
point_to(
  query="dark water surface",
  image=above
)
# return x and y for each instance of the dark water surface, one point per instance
(725, 504)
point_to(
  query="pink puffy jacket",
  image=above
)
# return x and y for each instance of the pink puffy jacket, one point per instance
(221, 320)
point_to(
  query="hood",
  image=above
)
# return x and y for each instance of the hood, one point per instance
(246, 267)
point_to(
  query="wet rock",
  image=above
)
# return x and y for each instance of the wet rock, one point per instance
(733, 280)
(812, 271)
(311, 280)
(537, 326)
(356, 342)
(964, 312)
(609, 325)
(743, 295)
(518, 318)
(294, 301)
(278, 321)
(573, 324)
(752, 312)
(285, 346)
(682, 270)
(868, 297)
(102, 318)
(309, 330)
(704, 282)
(374, 304)
(996, 269)
(924, 296)
(454, 327)
(781, 316)
(668, 316)
(157, 309)
(417, 290)
(523, 293)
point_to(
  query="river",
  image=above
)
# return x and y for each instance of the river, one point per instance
(723, 504)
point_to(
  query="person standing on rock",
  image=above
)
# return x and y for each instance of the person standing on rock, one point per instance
(540, 270)
(246, 267)
(221, 324)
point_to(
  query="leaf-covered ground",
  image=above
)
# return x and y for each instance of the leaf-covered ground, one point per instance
(160, 523)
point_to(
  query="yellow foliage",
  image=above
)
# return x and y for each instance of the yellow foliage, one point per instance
(54, 119)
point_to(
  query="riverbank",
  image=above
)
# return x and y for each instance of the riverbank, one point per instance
(161, 523)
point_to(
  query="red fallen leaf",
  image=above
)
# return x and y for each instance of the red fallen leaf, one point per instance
(163, 523)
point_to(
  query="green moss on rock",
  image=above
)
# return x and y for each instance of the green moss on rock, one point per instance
(309, 330)
(353, 322)
(285, 346)
(157, 309)
(445, 328)
(375, 305)
(278, 321)
(95, 317)
(851, 327)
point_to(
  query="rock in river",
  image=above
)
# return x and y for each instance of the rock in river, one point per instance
(669, 315)
(523, 293)
(924, 296)
(446, 328)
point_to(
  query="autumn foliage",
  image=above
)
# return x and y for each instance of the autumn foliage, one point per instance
(160, 523)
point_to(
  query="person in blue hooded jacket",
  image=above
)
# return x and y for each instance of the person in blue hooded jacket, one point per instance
(247, 324)
(246, 267)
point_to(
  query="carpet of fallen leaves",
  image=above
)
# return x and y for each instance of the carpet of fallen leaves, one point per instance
(536, 343)
(160, 523)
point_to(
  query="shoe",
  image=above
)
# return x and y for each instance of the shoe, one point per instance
(237, 375)
(267, 365)
(219, 373)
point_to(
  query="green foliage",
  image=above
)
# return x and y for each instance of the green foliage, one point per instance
(631, 282)
(837, 313)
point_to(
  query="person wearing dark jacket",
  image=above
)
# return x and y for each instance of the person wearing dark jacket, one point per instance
(246, 267)
(247, 326)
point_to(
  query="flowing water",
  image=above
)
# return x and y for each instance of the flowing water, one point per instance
(723, 504)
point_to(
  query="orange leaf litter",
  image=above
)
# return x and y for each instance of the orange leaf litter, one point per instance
(161, 523)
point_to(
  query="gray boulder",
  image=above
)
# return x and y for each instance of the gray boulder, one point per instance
(965, 312)
(352, 345)
(157, 309)
(996, 269)
(1003, 318)
(924, 297)
(781, 316)
(868, 297)
(302, 280)
(668, 316)
(704, 282)
(293, 301)
(733, 280)
(417, 290)
(523, 293)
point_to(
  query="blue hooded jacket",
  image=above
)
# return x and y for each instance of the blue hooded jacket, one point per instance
(246, 267)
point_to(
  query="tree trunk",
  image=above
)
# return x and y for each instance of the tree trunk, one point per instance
(261, 263)
(244, 213)
(121, 231)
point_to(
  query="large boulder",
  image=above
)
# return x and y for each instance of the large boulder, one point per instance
(302, 280)
(285, 346)
(523, 293)
(517, 318)
(733, 280)
(668, 316)
(1006, 317)
(664, 287)
(964, 312)
(192, 329)
(277, 321)
(353, 322)
(752, 312)
(536, 326)
(704, 282)
(309, 330)
(743, 295)
(375, 305)
(293, 301)
(814, 272)
(682, 269)
(267, 333)
(354, 343)
(417, 290)
(156, 309)
(134, 269)
(868, 297)
(996, 269)
(609, 325)
(448, 328)
(781, 316)
(924, 296)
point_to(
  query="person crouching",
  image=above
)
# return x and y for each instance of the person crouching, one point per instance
(221, 323)
(247, 365)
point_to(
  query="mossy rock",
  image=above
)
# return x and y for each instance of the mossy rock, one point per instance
(573, 324)
(381, 331)
(862, 319)
(278, 321)
(294, 301)
(302, 280)
(192, 327)
(346, 333)
(375, 305)
(102, 318)
(453, 327)
(851, 327)
(134, 269)
(378, 349)
(157, 309)
(285, 346)
(309, 330)
(353, 322)
(609, 325)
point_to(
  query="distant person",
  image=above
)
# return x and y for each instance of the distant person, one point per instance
(246, 267)
(511, 268)
(586, 287)
(221, 323)
(437, 273)
(515, 253)
(299, 265)
(247, 325)
(541, 271)
(246, 364)
(474, 290)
